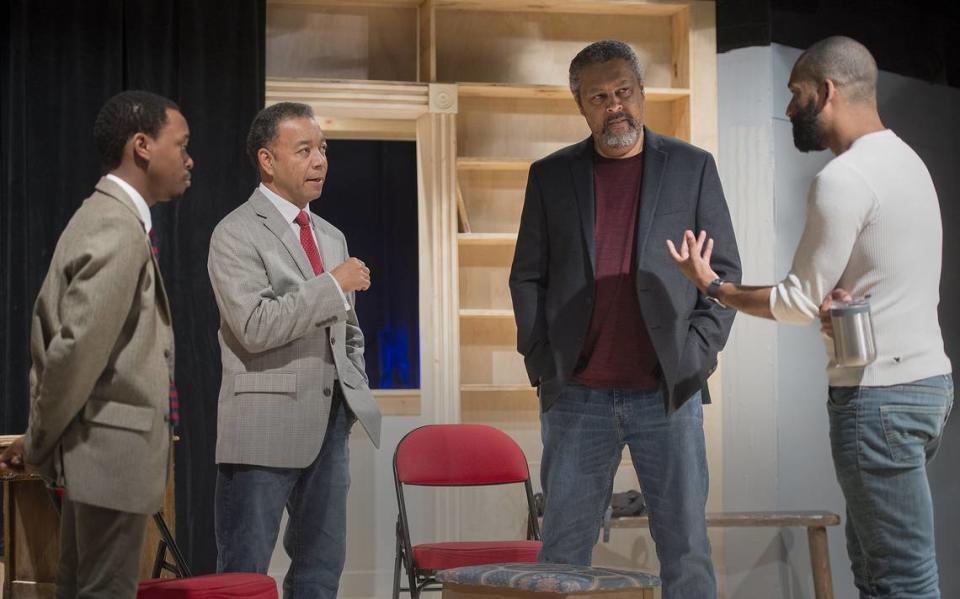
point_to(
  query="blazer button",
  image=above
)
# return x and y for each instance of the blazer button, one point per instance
(326, 392)
(166, 353)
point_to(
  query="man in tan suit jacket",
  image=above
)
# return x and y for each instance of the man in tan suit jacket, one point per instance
(102, 349)
(293, 370)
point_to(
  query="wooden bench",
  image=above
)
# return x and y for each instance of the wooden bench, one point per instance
(816, 524)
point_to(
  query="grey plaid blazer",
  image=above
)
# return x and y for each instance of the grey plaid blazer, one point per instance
(285, 336)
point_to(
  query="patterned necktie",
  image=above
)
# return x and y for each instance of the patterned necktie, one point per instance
(309, 245)
(172, 393)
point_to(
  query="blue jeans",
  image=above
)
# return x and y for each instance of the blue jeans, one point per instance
(584, 433)
(249, 504)
(882, 439)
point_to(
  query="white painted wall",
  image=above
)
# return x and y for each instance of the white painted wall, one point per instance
(776, 446)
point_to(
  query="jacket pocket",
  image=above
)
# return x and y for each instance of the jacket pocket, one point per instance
(351, 377)
(265, 382)
(120, 415)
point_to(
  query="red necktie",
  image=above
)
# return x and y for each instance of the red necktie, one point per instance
(309, 245)
(172, 395)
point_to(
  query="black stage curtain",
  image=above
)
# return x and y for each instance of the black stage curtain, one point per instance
(371, 195)
(60, 60)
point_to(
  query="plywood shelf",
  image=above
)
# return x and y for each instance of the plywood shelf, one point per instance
(486, 313)
(487, 238)
(479, 163)
(352, 98)
(412, 4)
(398, 402)
(594, 7)
(553, 92)
(477, 388)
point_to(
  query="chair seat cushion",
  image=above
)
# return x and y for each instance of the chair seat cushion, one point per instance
(548, 578)
(441, 556)
(213, 586)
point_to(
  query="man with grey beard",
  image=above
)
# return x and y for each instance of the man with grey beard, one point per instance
(617, 341)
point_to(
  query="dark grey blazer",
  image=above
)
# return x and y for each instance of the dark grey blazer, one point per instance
(552, 278)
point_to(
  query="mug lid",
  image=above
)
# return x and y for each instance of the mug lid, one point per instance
(857, 306)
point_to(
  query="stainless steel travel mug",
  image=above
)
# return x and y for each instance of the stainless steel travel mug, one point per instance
(853, 342)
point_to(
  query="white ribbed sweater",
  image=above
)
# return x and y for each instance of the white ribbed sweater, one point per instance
(873, 227)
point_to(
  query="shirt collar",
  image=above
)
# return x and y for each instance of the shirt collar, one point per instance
(142, 209)
(287, 209)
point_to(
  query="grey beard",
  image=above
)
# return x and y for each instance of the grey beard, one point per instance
(623, 140)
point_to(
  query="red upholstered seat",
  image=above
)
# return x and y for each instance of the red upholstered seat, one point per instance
(442, 556)
(214, 586)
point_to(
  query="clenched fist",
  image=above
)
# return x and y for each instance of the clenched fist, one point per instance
(353, 275)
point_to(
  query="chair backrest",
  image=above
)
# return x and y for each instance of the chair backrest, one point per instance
(459, 455)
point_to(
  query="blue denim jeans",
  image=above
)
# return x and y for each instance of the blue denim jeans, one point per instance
(584, 433)
(882, 439)
(249, 503)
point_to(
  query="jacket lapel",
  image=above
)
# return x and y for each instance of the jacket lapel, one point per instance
(328, 248)
(581, 169)
(274, 221)
(654, 164)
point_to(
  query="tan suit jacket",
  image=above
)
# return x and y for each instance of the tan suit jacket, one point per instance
(285, 336)
(102, 349)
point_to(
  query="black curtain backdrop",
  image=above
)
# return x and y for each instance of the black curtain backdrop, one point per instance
(60, 60)
(371, 195)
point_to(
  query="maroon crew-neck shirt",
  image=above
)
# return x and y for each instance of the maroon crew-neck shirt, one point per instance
(617, 352)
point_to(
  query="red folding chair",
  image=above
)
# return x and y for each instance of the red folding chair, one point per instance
(458, 455)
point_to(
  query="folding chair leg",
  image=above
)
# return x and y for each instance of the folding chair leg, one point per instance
(396, 570)
(160, 560)
(414, 589)
(179, 566)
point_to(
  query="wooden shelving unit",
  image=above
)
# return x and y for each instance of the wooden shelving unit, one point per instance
(481, 85)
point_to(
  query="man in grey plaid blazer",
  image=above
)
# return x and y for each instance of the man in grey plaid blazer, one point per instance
(293, 370)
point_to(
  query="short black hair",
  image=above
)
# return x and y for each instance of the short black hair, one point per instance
(263, 130)
(598, 53)
(123, 116)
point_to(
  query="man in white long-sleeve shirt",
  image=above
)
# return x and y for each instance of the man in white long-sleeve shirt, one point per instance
(873, 229)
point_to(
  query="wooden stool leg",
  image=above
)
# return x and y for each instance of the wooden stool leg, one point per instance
(820, 562)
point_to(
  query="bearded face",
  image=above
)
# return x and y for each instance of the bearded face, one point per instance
(807, 133)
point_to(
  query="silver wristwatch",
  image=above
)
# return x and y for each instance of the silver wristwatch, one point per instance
(713, 291)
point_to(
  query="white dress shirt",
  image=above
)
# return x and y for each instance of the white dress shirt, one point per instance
(289, 212)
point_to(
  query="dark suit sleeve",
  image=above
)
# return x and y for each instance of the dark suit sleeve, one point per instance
(709, 323)
(528, 284)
